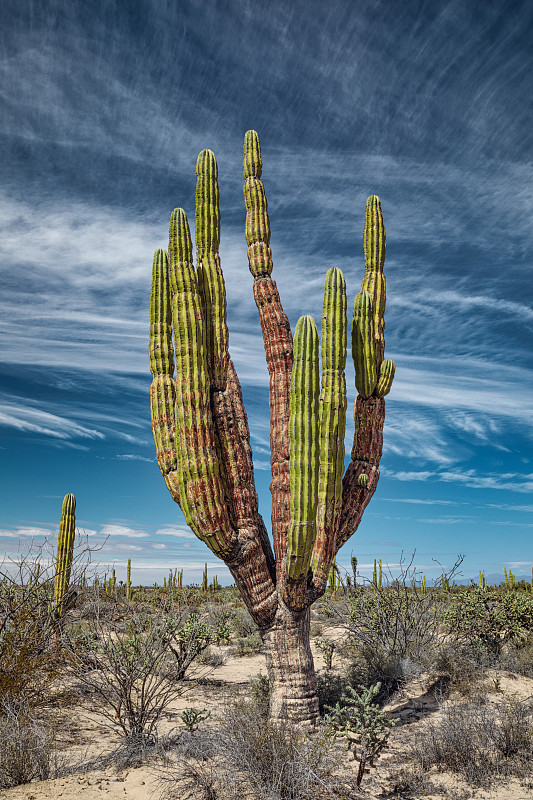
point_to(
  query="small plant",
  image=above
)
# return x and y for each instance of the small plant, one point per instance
(327, 648)
(192, 717)
(366, 727)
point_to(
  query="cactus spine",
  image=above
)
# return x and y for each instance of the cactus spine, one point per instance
(65, 553)
(201, 430)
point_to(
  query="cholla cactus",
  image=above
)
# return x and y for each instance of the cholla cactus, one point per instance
(365, 726)
(65, 553)
(201, 430)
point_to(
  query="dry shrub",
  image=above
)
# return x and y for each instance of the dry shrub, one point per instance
(479, 741)
(246, 756)
(26, 746)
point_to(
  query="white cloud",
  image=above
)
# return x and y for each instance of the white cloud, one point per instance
(405, 475)
(418, 501)
(134, 457)
(180, 532)
(33, 420)
(112, 530)
(26, 531)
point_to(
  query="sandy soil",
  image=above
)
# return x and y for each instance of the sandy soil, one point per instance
(412, 709)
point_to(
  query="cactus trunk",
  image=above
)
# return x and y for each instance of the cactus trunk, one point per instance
(201, 430)
(290, 667)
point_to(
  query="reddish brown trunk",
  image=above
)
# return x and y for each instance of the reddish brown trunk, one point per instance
(291, 668)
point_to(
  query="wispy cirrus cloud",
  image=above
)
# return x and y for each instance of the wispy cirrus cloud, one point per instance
(133, 457)
(34, 420)
(510, 481)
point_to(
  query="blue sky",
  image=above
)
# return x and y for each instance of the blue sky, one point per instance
(104, 108)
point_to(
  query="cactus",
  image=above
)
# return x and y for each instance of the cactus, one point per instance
(334, 580)
(205, 584)
(377, 574)
(65, 553)
(128, 580)
(482, 583)
(201, 430)
(353, 561)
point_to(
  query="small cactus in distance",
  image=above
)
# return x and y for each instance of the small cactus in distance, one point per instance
(65, 553)
(377, 575)
(353, 561)
(334, 580)
(205, 584)
(128, 580)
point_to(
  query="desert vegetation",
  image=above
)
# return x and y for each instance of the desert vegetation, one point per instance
(422, 688)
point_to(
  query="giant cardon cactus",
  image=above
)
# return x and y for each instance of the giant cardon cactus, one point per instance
(201, 430)
(65, 553)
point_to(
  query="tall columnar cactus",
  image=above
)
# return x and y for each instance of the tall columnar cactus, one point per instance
(128, 580)
(65, 553)
(201, 430)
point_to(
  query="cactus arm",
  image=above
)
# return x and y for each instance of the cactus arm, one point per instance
(65, 552)
(332, 419)
(277, 340)
(231, 430)
(201, 489)
(253, 566)
(374, 280)
(208, 269)
(303, 449)
(163, 388)
(363, 344)
(369, 410)
(386, 377)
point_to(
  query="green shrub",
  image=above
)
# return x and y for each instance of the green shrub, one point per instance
(489, 619)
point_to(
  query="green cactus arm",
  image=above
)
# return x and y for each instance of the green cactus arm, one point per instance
(201, 489)
(208, 269)
(363, 344)
(163, 388)
(332, 421)
(303, 448)
(374, 239)
(386, 377)
(277, 340)
(65, 552)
